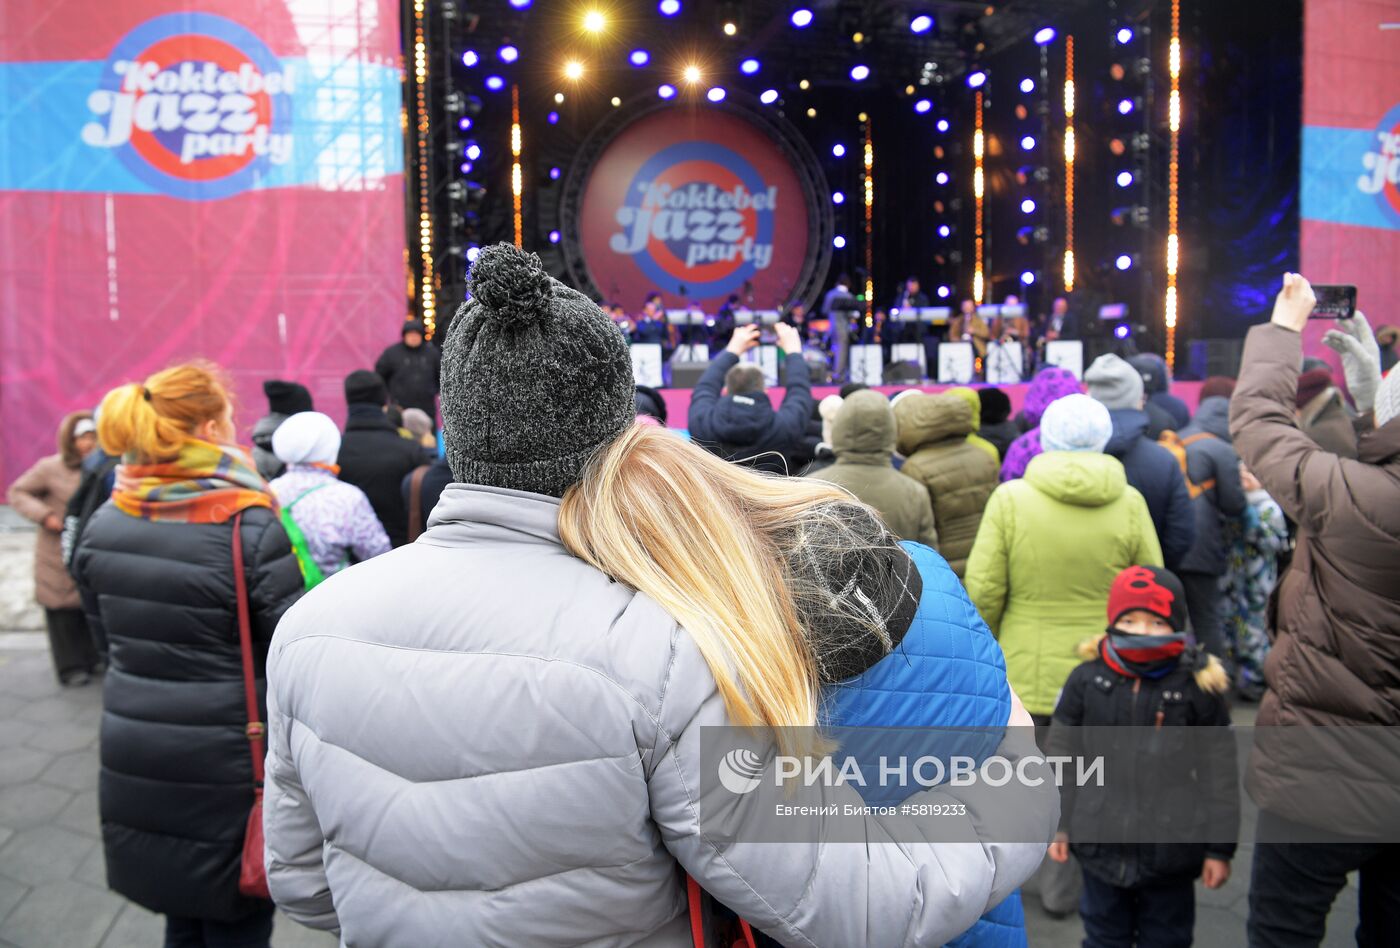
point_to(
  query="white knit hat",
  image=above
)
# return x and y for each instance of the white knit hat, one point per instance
(1075, 423)
(307, 437)
(1388, 398)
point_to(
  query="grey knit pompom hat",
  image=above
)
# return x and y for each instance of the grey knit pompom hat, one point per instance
(535, 378)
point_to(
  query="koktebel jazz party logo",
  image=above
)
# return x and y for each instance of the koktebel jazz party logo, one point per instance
(699, 215)
(193, 104)
(1381, 174)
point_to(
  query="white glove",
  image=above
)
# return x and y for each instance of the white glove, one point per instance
(1361, 359)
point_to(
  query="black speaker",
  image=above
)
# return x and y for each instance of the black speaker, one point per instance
(686, 374)
(903, 373)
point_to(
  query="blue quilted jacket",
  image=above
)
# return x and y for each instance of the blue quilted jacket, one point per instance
(948, 671)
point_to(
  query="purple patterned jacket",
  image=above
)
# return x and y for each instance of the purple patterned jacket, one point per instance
(337, 519)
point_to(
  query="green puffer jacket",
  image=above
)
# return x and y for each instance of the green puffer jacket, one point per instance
(958, 476)
(862, 436)
(1048, 550)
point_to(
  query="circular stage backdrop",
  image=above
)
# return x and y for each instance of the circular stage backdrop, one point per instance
(698, 203)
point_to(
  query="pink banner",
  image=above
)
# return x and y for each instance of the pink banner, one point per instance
(216, 179)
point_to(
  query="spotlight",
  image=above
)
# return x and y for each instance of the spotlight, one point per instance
(748, 67)
(553, 118)
(1027, 277)
(769, 96)
(1124, 262)
(573, 69)
(1125, 178)
(692, 74)
(464, 123)
(860, 73)
(922, 106)
(802, 18)
(470, 58)
(554, 236)
(1044, 35)
(921, 24)
(472, 253)
(554, 174)
(594, 21)
(616, 101)
(1028, 206)
(558, 98)
(639, 58)
(1125, 36)
(521, 4)
(838, 198)
(838, 242)
(473, 152)
(941, 177)
(944, 291)
(508, 54)
(811, 113)
(495, 83)
(1125, 106)
(1121, 332)
(975, 80)
(466, 167)
(715, 95)
(730, 29)
(1028, 85)
(838, 150)
(1028, 143)
(804, 85)
(942, 125)
(944, 230)
(669, 7)
(666, 91)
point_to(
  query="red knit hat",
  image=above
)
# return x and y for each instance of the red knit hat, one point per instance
(1312, 384)
(1151, 588)
(1218, 385)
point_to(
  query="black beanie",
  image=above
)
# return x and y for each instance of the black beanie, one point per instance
(535, 378)
(649, 402)
(414, 325)
(286, 398)
(363, 387)
(996, 405)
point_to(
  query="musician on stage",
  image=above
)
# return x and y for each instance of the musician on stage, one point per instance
(840, 307)
(651, 327)
(967, 326)
(1060, 324)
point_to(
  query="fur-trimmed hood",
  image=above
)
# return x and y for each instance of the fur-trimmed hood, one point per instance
(1209, 673)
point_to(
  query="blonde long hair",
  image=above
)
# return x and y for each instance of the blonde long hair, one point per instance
(704, 538)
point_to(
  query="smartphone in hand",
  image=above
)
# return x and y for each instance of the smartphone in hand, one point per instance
(1334, 301)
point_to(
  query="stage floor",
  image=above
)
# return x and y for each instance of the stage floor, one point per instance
(678, 399)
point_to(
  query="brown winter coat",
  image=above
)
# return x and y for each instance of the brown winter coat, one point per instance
(1336, 620)
(1325, 420)
(862, 436)
(959, 476)
(42, 490)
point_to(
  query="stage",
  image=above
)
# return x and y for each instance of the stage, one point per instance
(678, 399)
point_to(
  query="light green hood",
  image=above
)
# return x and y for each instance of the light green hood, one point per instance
(1081, 478)
(969, 395)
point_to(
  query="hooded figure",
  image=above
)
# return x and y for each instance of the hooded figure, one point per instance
(957, 475)
(1167, 412)
(974, 402)
(284, 399)
(863, 436)
(1048, 385)
(411, 369)
(1059, 535)
(1151, 468)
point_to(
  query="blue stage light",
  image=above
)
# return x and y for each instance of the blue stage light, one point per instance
(944, 230)
(466, 167)
(715, 95)
(472, 253)
(495, 83)
(473, 151)
(838, 242)
(942, 125)
(1028, 143)
(748, 67)
(1125, 178)
(1125, 106)
(769, 96)
(838, 150)
(1027, 277)
(554, 174)
(1044, 35)
(922, 106)
(941, 177)
(944, 291)
(1125, 36)
(464, 123)
(921, 23)
(521, 4)
(666, 91)
(1027, 85)
(639, 58)
(508, 54)
(838, 198)
(554, 236)
(553, 118)
(801, 18)
(669, 7)
(860, 73)
(1028, 206)
(1121, 332)
(470, 58)
(1123, 262)
(976, 79)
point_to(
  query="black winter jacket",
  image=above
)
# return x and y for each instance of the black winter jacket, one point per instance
(412, 375)
(1156, 473)
(176, 782)
(1202, 802)
(745, 427)
(1212, 459)
(376, 458)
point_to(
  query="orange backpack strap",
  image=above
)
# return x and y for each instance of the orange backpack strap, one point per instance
(694, 894)
(1199, 436)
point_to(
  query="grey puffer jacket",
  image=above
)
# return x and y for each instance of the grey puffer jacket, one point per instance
(511, 756)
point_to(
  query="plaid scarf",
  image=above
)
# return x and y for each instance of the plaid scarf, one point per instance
(1142, 656)
(207, 483)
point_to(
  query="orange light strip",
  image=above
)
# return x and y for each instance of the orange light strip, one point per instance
(869, 227)
(517, 180)
(1069, 164)
(425, 221)
(978, 190)
(1174, 123)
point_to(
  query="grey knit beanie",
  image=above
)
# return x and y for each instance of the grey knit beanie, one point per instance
(535, 378)
(1114, 383)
